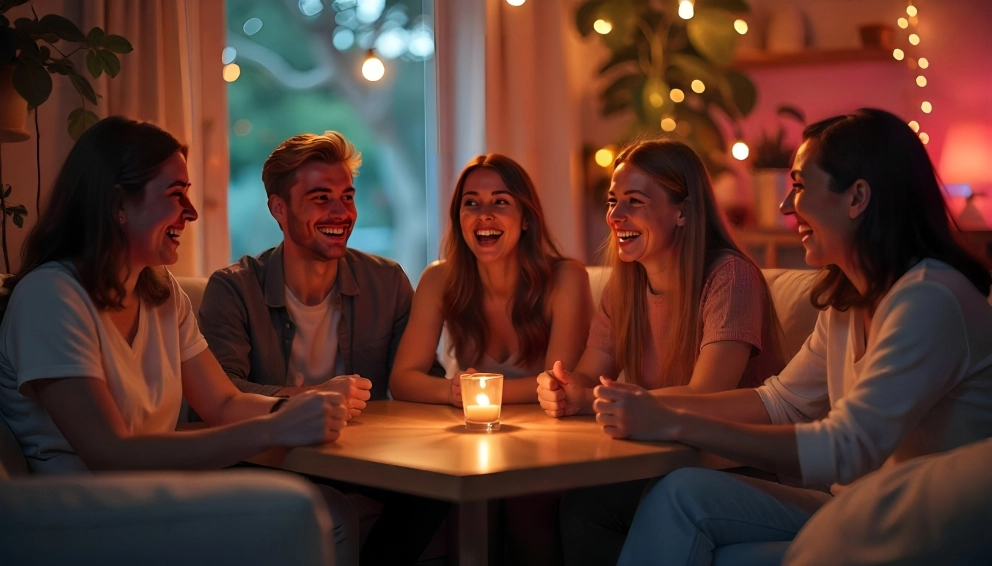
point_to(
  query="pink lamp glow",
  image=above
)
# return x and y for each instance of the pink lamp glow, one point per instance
(966, 169)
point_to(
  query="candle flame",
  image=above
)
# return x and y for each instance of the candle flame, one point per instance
(482, 399)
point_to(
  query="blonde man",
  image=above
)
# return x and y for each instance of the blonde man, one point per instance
(311, 313)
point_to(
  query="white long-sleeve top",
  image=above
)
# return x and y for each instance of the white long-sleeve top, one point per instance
(921, 384)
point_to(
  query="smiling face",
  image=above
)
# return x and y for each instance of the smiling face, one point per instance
(321, 214)
(824, 216)
(642, 218)
(490, 217)
(153, 222)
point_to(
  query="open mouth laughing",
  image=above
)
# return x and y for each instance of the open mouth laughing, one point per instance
(488, 237)
(627, 235)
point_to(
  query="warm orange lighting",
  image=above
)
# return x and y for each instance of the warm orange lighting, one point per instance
(677, 95)
(602, 27)
(925, 138)
(740, 151)
(924, 63)
(898, 54)
(921, 80)
(604, 157)
(926, 107)
(914, 125)
(668, 124)
(740, 26)
(516, 2)
(914, 39)
(373, 69)
(698, 87)
(911, 10)
(686, 10)
(231, 72)
(656, 100)
(903, 23)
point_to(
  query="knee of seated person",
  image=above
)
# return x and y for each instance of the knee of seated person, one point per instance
(682, 486)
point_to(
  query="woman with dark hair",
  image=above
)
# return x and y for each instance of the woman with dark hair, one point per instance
(510, 304)
(899, 365)
(99, 344)
(684, 311)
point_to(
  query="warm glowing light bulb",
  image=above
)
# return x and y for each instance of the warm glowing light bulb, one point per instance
(924, 137)
(668, 124)
(698, 87)
(740, 26)
(914, 125)
(516, 2)
(924, 63)
(231, 72)
(656, 100)
(898, 54)
(373, 69)
(604, 157)
(911, 10)
(921, 80)
(926, 107)
(740, 151)
(903, 23)
(914, 39)
(686, 11)
(602, 27)
(677, 95)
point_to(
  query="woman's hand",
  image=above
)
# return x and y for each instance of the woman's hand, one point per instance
(455, 387)
(559, 394)
(355, 388)
(313, 417)
(625, 410)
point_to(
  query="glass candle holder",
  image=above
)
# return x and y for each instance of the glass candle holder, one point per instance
(482, 397)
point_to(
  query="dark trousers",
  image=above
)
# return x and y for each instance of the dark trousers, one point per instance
(402, 530)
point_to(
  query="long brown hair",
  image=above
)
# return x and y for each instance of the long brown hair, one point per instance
(906, 219)
(704, 237)
(110, 163)
(536, 253)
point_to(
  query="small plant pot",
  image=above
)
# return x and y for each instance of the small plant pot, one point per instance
(13, 109)
(770, 187)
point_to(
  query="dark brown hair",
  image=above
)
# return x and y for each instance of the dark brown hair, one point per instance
(677, 169)
(536, 252)
(110, 163)
(906, 219)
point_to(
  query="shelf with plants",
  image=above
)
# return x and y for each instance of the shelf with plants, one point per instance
(763, 59)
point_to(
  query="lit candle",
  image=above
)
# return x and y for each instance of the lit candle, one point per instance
(486, 390)
(482, 411)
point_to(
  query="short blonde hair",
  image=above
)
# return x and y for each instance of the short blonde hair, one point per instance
(279, 171)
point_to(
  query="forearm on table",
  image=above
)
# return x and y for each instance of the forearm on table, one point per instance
(419, 387)
(739, 405)
(245, 406)
(521, 390)
(764, 446)
(209, 448)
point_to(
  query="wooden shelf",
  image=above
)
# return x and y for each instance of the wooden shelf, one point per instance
(754, 60)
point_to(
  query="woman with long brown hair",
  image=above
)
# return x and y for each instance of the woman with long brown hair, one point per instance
(509, 301)
(684, 311)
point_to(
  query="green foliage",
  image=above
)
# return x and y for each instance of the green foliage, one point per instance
(37, 54)
(653, 50)
(771, 152)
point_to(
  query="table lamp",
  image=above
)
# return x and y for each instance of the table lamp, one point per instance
(966, 165)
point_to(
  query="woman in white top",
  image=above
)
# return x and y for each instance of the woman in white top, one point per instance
(899, 365)
(98, 343)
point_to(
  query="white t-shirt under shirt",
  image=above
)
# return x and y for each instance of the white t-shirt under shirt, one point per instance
(313, 357)
(922, 383)
(53, 330)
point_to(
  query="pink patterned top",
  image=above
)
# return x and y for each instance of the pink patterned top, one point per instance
(732, 307)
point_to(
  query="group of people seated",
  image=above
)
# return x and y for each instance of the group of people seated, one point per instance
(99, 345)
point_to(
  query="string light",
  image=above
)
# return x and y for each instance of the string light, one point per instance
(926, 107)
(373, 69)
(924, 137)
(604, 157)
(923, 63)
(903, 23)
(740, 26)
(913, 62)
(921, 80)
(914, 125)
(602, 27)
(657, 100)
(231, 72)
(911, 10)
(668, 124)
(914, 39)
(698, 87)
(898, 54)
(740, 151)
(677, 95)
(686, 9)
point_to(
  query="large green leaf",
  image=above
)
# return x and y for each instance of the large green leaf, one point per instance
(110, 62)
(712, 34)
(689, 68)
(32, 82)
(95, 36)
(116, 43)
(83, 87)
(743, 91)
(93, 64)
(8, 4)
(61, 66)
(62, 27)
(80, 120)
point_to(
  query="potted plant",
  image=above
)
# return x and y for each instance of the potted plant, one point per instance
(770, 163)
(32, 50)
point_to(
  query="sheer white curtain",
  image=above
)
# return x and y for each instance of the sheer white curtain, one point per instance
(173, 78)
(506, 84)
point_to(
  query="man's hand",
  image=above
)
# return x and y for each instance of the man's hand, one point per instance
(314, 417)
(355, 389)
(559, 395)
(625, 410)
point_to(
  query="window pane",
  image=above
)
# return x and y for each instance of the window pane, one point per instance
(297, 66)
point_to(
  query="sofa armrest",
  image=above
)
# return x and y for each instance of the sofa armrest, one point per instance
(226, 517)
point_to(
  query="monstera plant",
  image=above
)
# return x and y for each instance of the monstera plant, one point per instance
(38, 49)
(672, 75)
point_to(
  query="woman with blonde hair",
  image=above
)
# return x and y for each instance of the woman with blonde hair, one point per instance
(510, 304)
(684, 311)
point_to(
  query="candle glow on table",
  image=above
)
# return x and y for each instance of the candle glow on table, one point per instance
(482, 395)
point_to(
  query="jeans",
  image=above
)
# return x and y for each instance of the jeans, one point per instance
(693, 511)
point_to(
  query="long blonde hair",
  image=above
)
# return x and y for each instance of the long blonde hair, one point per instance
(679, 172)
